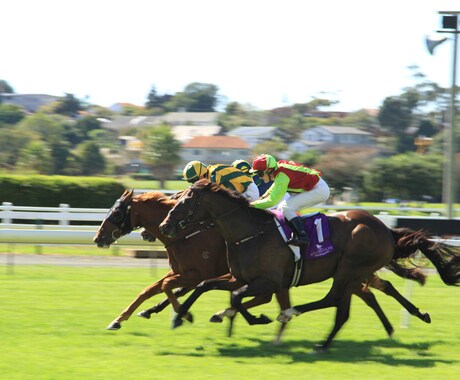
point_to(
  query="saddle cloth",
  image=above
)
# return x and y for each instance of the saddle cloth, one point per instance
(317, 228)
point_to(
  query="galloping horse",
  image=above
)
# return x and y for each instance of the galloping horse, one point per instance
(259, 258)
(195, 255)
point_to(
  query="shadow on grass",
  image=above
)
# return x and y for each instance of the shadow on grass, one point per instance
(379, 351)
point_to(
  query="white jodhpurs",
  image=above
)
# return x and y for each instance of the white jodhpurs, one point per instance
(251, 193)
(319, 194)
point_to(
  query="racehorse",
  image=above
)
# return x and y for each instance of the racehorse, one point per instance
(194, 255)
(259, 258)
(198, 254)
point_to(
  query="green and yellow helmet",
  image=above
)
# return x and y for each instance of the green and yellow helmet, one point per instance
(263, 163)
(193, 171)
(242, 165)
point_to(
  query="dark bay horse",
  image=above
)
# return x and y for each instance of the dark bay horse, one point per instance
(196, 254)
(260, 260)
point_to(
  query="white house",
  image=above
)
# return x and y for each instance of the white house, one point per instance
(324, 138)
(254, 135)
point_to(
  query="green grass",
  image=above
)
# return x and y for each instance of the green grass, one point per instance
(53, 319)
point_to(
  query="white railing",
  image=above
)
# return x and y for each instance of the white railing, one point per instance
(55, 225)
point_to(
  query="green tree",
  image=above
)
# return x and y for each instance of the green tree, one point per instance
(12, 141)
(409, 176)
(10, 114)
(275, 147)
(35, 158)
(49, 128)
(161, 152)
(196, 97)
(5, 88)
(69, 105)
(90, 158)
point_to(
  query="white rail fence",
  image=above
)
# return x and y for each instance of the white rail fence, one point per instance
(56, 225)
(53, 225)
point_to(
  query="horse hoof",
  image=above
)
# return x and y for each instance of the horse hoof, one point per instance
(144, 314)
(320, 348)
(216, 319)
(114, 326)
(426, 318)
(264, 320)
(177, 322)
(188, 317)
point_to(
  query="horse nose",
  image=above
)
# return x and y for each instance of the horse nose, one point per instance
(165, 229)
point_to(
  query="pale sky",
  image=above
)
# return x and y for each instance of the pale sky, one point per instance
(267, 53)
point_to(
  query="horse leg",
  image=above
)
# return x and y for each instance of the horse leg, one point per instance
(163, 304)
(341, 316)
(225, 282)
(371, 301)
(174, 282)
(147, 293)
(255, 288)
(388, 288)
(285, 303)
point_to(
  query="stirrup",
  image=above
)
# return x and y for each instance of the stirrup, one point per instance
(296, 240)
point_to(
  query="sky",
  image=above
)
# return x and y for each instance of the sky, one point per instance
(266, 53)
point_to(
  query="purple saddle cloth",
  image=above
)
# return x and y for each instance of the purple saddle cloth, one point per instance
(317, 228)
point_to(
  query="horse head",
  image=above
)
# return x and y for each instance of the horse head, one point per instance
(187, 211)
(117, 222)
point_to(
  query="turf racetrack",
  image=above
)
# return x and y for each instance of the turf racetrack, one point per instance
(53, 319)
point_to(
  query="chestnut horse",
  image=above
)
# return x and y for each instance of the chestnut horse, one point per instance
(197, 254)
(260, 260)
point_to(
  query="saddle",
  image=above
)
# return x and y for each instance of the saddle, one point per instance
(317, 227)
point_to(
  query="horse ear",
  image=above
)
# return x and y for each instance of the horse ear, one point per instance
(130, 193)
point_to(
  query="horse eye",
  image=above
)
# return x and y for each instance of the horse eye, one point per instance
(117, 215)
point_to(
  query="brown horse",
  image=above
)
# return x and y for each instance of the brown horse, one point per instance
(259, 258)
(196, 254)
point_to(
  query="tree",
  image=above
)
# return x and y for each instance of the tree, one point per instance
(12, 141)
(196, 97)
(36, 158)
(409, 176)
(161, 152)
(5, 88)
(344, 167)
(275, 147)
(69, 105)
(49, 128)
(91, 159)
(157, 103)
(10, 114)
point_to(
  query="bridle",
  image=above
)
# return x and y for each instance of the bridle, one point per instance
(120, 216)
(187, 221)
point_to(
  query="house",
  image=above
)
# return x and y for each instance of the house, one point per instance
(324, 138)
(118, 123)
(214, 150)
(254, 135)
(30, 102)
(190, 118)
(183, 133)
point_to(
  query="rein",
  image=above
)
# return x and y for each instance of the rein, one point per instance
(207, 227)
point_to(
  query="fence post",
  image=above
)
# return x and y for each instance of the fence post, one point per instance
(7, 206)
(65, 210)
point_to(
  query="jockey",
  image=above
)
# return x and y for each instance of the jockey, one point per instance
(263, 183)
(226, 176)
(305, 185)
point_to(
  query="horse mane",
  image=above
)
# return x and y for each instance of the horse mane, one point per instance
(156, 196)
(206, 185)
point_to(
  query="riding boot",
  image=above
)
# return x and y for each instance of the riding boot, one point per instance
(299, 236)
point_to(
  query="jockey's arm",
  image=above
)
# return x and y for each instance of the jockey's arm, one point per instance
(274, 194)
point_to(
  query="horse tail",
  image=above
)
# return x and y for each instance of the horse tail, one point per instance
(414, 274)
(444, 257)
